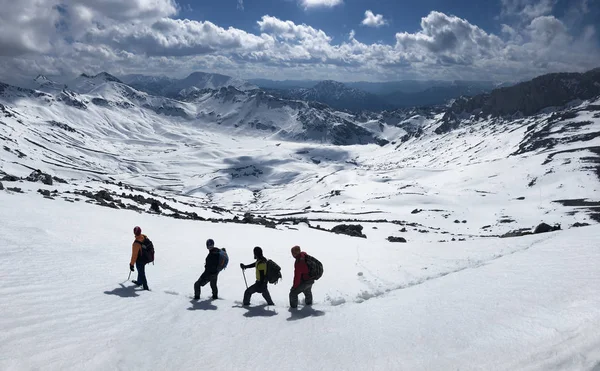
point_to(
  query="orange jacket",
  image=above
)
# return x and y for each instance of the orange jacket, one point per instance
(136, 248)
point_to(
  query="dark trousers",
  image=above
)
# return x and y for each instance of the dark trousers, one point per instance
(141, 268)
(305, 288)
(203, 280)
(260, 287)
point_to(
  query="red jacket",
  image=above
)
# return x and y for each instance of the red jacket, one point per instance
(300, 270)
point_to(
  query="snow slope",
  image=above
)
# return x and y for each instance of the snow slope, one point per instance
(455, 296)
(525, 303)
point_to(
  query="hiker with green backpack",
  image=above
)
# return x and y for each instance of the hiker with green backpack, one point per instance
(266, 271)
(307, 269)
(216, 261)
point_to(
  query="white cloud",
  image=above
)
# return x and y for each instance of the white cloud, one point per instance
(143, 36)
(240, 5)
(307, 4)
(176, 37)
(373, 20)
(27, 26)
(445, 35)
(527, 9)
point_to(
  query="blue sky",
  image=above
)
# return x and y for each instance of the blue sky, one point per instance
(337, 21)
(345, 40)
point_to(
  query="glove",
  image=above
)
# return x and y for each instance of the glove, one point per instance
(242, 266)
(131, 267)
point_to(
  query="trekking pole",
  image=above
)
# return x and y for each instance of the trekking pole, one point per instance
(128, 277)
(244, 273)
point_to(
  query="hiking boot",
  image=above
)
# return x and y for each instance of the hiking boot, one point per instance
(271, 303)
(136, 283)
(215, 297)
(196, 298)
(246, 304)
(146, 288)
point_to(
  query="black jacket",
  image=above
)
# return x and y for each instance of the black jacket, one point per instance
(212, 261)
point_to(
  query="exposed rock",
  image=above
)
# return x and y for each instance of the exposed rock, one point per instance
(403, 229)
(44, 192)
(457, 221)
(14, 189)
(103, 195)
(155, 206)
(543, 228)
(59, 180)
(416, 211)
(517, 233)
(39, 176)
(576, 225)
(486, 226)
(1, 186)
(396, 239)
(10, 178)
(520, 198)
(354, 230)
(251, 219)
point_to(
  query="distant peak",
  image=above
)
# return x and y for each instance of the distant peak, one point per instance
(41, 78)
(102, 75)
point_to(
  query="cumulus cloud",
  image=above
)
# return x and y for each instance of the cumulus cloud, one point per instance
(144, 36)
(176, 37)
(27, 26)
(307, 4)
(373, 20)
(441, 34)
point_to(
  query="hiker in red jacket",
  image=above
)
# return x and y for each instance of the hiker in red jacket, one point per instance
(302, 281)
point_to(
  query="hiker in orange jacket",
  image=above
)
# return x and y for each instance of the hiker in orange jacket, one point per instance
(136, 258)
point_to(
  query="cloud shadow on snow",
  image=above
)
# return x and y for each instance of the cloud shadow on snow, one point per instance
(326, 154)
(202, 305)
(304, 312)
(123, 291)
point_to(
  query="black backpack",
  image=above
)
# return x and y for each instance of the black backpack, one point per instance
(273, 272)
(315, 268)
(147, 255)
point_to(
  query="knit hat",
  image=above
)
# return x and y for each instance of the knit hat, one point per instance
(210, 243)
(137, 231)
(258, 251)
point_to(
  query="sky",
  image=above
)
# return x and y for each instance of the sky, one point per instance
(344, 40)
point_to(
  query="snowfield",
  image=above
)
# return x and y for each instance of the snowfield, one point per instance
(455, 296)
(486, 304)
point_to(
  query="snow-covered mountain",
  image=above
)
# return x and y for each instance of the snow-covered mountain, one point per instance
(336, 95)
(43, 83)
(85, 83)
(417, 214)
(530, 97)
(180, 88)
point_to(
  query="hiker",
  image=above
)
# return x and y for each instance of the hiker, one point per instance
(137, 258)
(302, 280)
(211, 270)
(261, 285)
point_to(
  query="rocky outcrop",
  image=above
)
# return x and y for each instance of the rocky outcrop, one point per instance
(354, 230)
